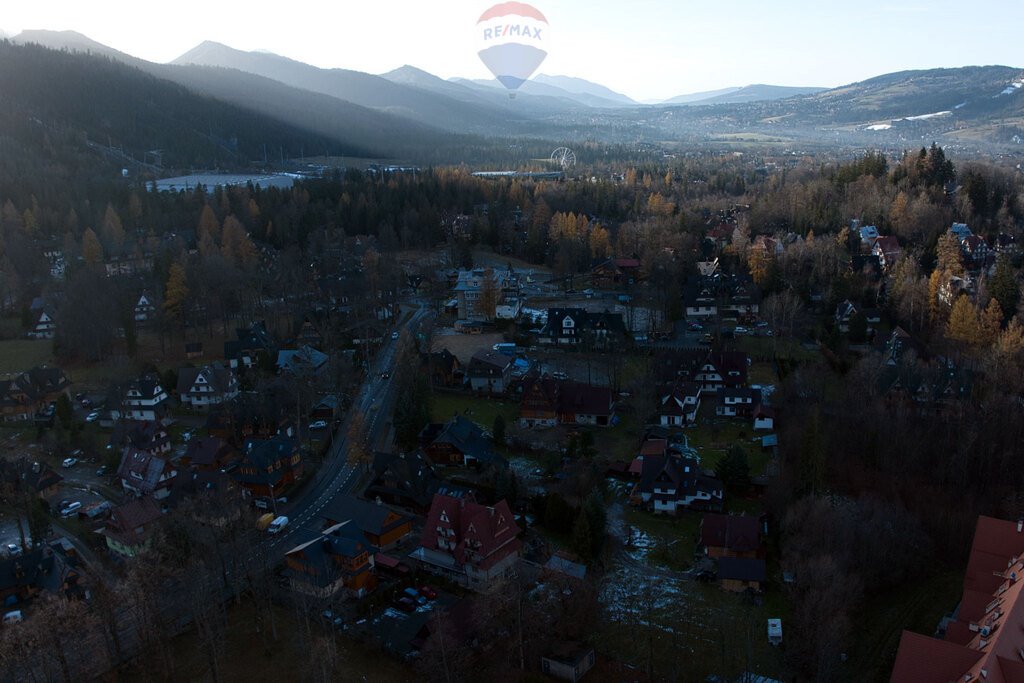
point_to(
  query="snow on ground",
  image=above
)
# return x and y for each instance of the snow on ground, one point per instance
(924, 117)
(1012, 88)
(879, 126)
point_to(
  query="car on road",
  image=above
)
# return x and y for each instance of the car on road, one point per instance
(385, 375)
(589, 293)
(706, 339)
(558, 374)
(741, 330)
(93, 416)
(319, 424)
(278, 524)
(86, 402)
(394, 335)
(69, 463)
(102, 471)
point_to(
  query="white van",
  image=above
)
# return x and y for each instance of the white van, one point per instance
(277, 525)
(71, 510)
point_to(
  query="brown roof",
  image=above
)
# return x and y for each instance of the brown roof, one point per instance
(738, 533)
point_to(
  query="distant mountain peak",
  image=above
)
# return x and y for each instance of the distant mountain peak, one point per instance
(755, 92)
(580, 86)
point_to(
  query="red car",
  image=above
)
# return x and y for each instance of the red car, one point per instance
(428, 592)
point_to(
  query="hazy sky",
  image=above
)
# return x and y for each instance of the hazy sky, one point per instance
(647, 49)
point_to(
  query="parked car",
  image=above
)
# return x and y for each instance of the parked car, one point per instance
(415, 596)
(695, 327)
(558, 374)
(741, 330)
(69, 463)
(93, 416)
(394, 335)
(428, 592)
(102, 471)
(385, 375)
(406, 604)
(71, 510)
(13, 550)
(319, 424)
(86, 402)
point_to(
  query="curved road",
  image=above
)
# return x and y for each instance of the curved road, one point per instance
(337, 476)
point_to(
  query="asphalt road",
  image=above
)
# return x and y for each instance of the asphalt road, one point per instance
(336, 476)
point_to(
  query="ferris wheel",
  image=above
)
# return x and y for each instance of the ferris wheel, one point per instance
(564, 157)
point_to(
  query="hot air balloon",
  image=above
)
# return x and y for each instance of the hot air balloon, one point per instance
(514, 36)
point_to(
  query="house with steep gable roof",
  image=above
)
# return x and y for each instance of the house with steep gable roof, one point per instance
(469, 543)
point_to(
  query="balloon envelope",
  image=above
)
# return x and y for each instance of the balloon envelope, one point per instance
(513, 37)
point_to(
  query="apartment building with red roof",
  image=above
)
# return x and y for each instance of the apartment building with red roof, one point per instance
(985, 641)
(469, 543)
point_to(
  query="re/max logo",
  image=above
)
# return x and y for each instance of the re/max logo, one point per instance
(512, 30)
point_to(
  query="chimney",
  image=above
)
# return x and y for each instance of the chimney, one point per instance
(1020, 524)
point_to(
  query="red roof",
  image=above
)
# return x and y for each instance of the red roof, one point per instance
(654, 447)
(985, 641)
(480, 535)
(920, 658)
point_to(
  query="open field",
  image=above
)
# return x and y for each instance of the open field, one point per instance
(18, 355)
(480, 410)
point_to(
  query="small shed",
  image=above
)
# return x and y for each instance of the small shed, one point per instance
(739, 574)
(775, 632)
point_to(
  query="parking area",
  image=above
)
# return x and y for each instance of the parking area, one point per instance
(9, 534)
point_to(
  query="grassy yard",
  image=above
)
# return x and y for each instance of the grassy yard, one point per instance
(672, 539)
(18, 355)
(692, 630)
(762, 373)
(479, 410)
(917, 606)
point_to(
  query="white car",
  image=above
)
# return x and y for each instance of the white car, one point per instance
(394, 335)
(13, 550)
(93, 416)
(69, 462)
(319, 424)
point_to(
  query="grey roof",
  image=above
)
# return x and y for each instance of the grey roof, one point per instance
(468, 438)
(741, 569)
(147, 466)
